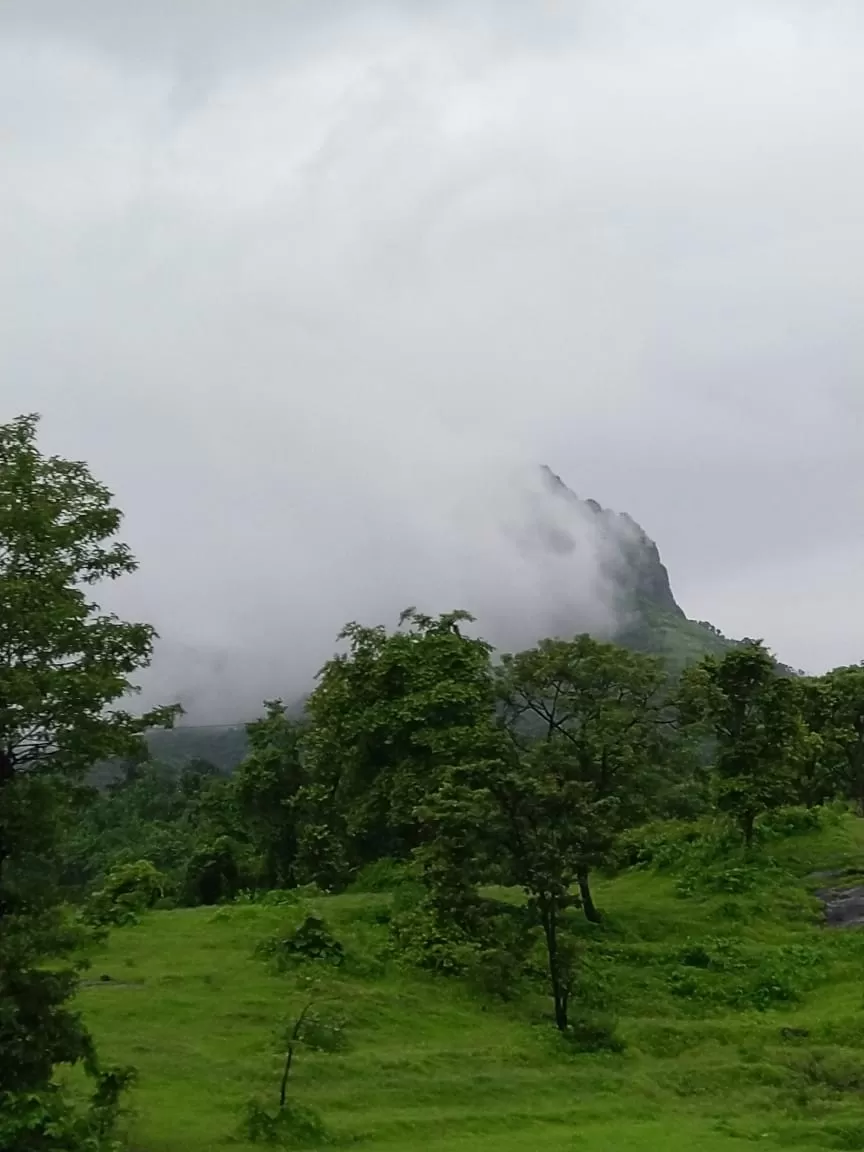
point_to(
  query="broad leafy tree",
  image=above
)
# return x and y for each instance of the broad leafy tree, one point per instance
(387, 717)
(834, 708)
(592, 717)
(579, 735)
(583, 718)
(752, 711)
(64, 665)
(267, 784)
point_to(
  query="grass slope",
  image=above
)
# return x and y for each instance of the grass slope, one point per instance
(678, 640)
(743, 1019)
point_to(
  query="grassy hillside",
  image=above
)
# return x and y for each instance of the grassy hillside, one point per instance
(743, 1020)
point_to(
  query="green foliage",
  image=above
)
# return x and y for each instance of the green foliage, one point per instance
(573, 766)
(292, 1126)
(488, 944)
(752, 711)
(222, 745)
(46, 1122)
(387, 719)
(213, 873)
(267, 784)
(431, 1064)
(184, 822)
(143, 816)
(65, 662)
(383, 875)
(593, 1032)
(661, 843)
(63, 665)
(425, 940)
(677, 641)
(323, 1033)
(834, 708)
(310, 940)
(129, 889)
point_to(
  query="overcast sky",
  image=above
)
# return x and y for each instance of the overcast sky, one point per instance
(308, 283)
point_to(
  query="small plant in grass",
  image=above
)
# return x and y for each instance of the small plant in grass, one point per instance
(293, 1124)
(593, 1032)
(310, 941)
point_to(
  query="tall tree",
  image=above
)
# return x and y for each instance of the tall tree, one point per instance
(834, 707)
(752, 710)
(387, 717)
(580, 732)
(267, 783)
(595, 711)
(63, 666)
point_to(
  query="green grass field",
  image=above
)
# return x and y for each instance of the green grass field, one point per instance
(743, 1020)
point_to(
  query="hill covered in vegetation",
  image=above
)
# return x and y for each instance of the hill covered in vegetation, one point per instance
(552, 898)
(716, 1012)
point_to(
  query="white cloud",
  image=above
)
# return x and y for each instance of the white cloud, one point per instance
(306, 287)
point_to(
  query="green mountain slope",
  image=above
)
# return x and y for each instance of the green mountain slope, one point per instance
(741, 1015)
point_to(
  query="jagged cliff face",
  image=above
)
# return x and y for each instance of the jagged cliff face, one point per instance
(647, 616)
(628, 556)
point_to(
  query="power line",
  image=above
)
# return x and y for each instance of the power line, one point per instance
(202, 727)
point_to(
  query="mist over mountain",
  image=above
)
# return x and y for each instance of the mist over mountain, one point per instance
(547, 563)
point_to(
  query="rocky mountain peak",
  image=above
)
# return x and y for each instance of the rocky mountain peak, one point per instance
(632, 561)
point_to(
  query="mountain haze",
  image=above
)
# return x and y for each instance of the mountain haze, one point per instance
(641, 607)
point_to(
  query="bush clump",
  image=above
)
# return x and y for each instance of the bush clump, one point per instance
(310, 940)
(593, 1032)
(128, 890)
(293, 1126)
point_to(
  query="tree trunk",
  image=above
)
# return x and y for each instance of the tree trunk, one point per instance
(588, 905)
(289, 1055)
(561, 1017)
(748, 824)
(7, 774)
(559, 992)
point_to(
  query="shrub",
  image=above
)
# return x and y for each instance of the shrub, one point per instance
(847, 1136)
(424, 940)
(213, 873)
(311, 940)
(593, 1032)
(722, 973)
(792, 821)
(293, 1126)
(383, 875)
(323, 1033)
(128, 890)
(821, 1075)
(662, 844)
